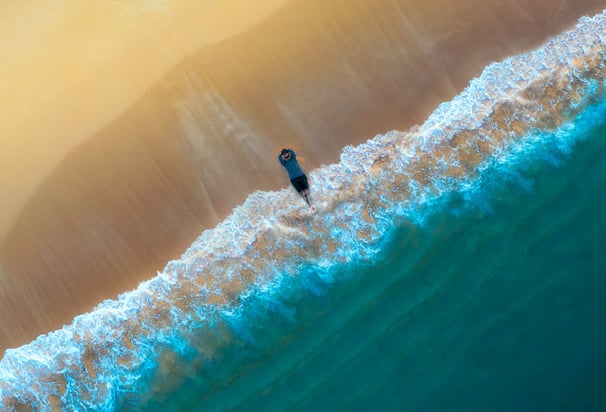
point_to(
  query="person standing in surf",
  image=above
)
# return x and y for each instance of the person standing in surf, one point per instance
(288, 159)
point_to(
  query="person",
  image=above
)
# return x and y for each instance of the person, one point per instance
(288, 159)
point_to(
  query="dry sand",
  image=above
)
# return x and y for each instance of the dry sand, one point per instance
(119, 147)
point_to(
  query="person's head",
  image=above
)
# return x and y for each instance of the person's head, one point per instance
(285, 153)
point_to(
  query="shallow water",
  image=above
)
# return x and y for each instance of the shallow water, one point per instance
(455, 266)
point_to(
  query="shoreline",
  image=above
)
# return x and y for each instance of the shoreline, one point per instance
(260, 263)
(130, 199)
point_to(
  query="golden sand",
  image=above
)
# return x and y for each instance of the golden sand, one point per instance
(71, 67)
(129, 127)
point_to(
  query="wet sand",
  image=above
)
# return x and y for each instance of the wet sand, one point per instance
(315, 75)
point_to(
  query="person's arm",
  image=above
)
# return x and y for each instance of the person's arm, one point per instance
(293, 154)
(281, 160)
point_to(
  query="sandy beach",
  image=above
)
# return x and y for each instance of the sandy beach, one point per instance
(121, 143)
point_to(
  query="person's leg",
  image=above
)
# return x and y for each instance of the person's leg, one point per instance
(300, 184)
(307, 196)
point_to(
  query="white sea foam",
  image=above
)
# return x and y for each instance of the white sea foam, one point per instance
(528, 104)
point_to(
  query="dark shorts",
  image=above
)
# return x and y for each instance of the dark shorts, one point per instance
(300, 183)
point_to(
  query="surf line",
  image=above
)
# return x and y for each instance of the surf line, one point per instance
(105, 355)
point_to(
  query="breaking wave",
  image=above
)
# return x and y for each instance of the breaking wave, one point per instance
(129, 351)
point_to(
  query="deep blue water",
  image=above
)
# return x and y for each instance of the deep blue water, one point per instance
(477, 310)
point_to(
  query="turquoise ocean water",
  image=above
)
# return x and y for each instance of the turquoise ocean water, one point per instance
(456, 266)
